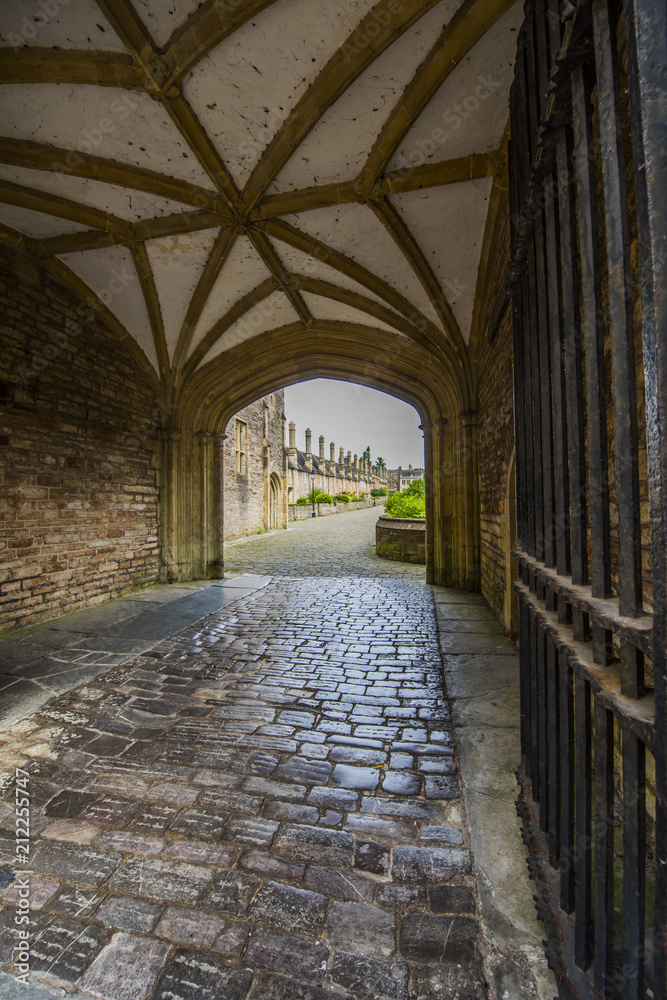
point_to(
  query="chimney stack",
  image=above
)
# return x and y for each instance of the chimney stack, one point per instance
(332, 454)
(292, 441)
(322, 448)
(309, 454)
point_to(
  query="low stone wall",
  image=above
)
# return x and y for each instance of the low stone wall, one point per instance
(402, 539)
(324, 509)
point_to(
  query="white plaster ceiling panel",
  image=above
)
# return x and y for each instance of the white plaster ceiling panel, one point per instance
(469, 111)
(65, 24)
(177, 263)
(298, 263)
(119, 124)
(271, 313)
(243, 271)
(162, 17)
(338, 146)
(449, 225)
(37, 225)
(245, 88)
(120, 201)
(112, 276)
(323, 307)
(358, 233)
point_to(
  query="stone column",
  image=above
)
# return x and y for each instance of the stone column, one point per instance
(169, 497)
(470, 540)
(216, 566)
(204, 540)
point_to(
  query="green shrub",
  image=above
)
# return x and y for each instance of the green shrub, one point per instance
(380, 492)
(409, 503)
(323, 498)
(342, 498)
(304, 501)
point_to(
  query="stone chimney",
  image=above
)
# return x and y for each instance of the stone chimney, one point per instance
(348, 462)
(321, 449)
(309, 454)
(355, 467)
(292, 441)
(332, 455)
(341, 462)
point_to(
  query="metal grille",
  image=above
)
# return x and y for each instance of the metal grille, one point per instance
(587, 190)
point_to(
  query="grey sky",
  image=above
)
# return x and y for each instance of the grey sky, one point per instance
(353, 416)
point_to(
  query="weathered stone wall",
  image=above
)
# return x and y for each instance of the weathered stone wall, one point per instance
(78, 490)
(247, 497)
(496, 436)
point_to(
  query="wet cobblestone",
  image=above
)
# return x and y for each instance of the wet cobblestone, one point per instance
(339, 546)
(263, 806)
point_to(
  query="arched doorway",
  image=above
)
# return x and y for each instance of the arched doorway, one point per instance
(275, 495)
(407, 367)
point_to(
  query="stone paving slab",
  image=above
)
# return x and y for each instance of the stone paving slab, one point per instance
(191, 840)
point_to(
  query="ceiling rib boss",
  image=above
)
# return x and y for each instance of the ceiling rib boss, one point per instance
(251, 194)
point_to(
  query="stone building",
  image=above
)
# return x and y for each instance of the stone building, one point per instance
(399, 479)
(461, 203)
(254, 476)
(345, 474)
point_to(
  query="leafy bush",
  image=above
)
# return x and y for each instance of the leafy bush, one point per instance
(304, 501)
(380, 492)
(342, 498)
(409, 503)
(323, 498)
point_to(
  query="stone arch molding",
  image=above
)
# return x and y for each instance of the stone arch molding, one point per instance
(193, 476)
(341, 188)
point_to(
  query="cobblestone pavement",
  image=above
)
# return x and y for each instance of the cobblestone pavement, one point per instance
(337, 545)
(266, 805)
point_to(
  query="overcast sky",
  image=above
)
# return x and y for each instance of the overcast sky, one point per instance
(354, 417)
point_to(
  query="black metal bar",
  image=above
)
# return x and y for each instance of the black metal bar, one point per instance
(592, 329)
(535, 638)
(583, 942)
(634, 866)
(557, 369)
(604, 849)
(545, 396)
(573, 372)
(621, 331)
(536, 411)
(543, 707)
(553, 724)
(524, 687)
(567, 848)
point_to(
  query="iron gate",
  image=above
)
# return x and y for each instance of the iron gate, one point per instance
(588, 176)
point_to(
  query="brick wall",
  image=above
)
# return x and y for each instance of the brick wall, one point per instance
(246, 499)
(78, 494)
(496, 437)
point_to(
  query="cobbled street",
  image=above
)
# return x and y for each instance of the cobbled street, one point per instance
(265, 805)
(338, 545)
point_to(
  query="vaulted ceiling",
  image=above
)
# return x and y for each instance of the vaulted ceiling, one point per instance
(212, 172)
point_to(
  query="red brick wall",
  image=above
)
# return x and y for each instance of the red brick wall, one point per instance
(78, 493)
(496, 433)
